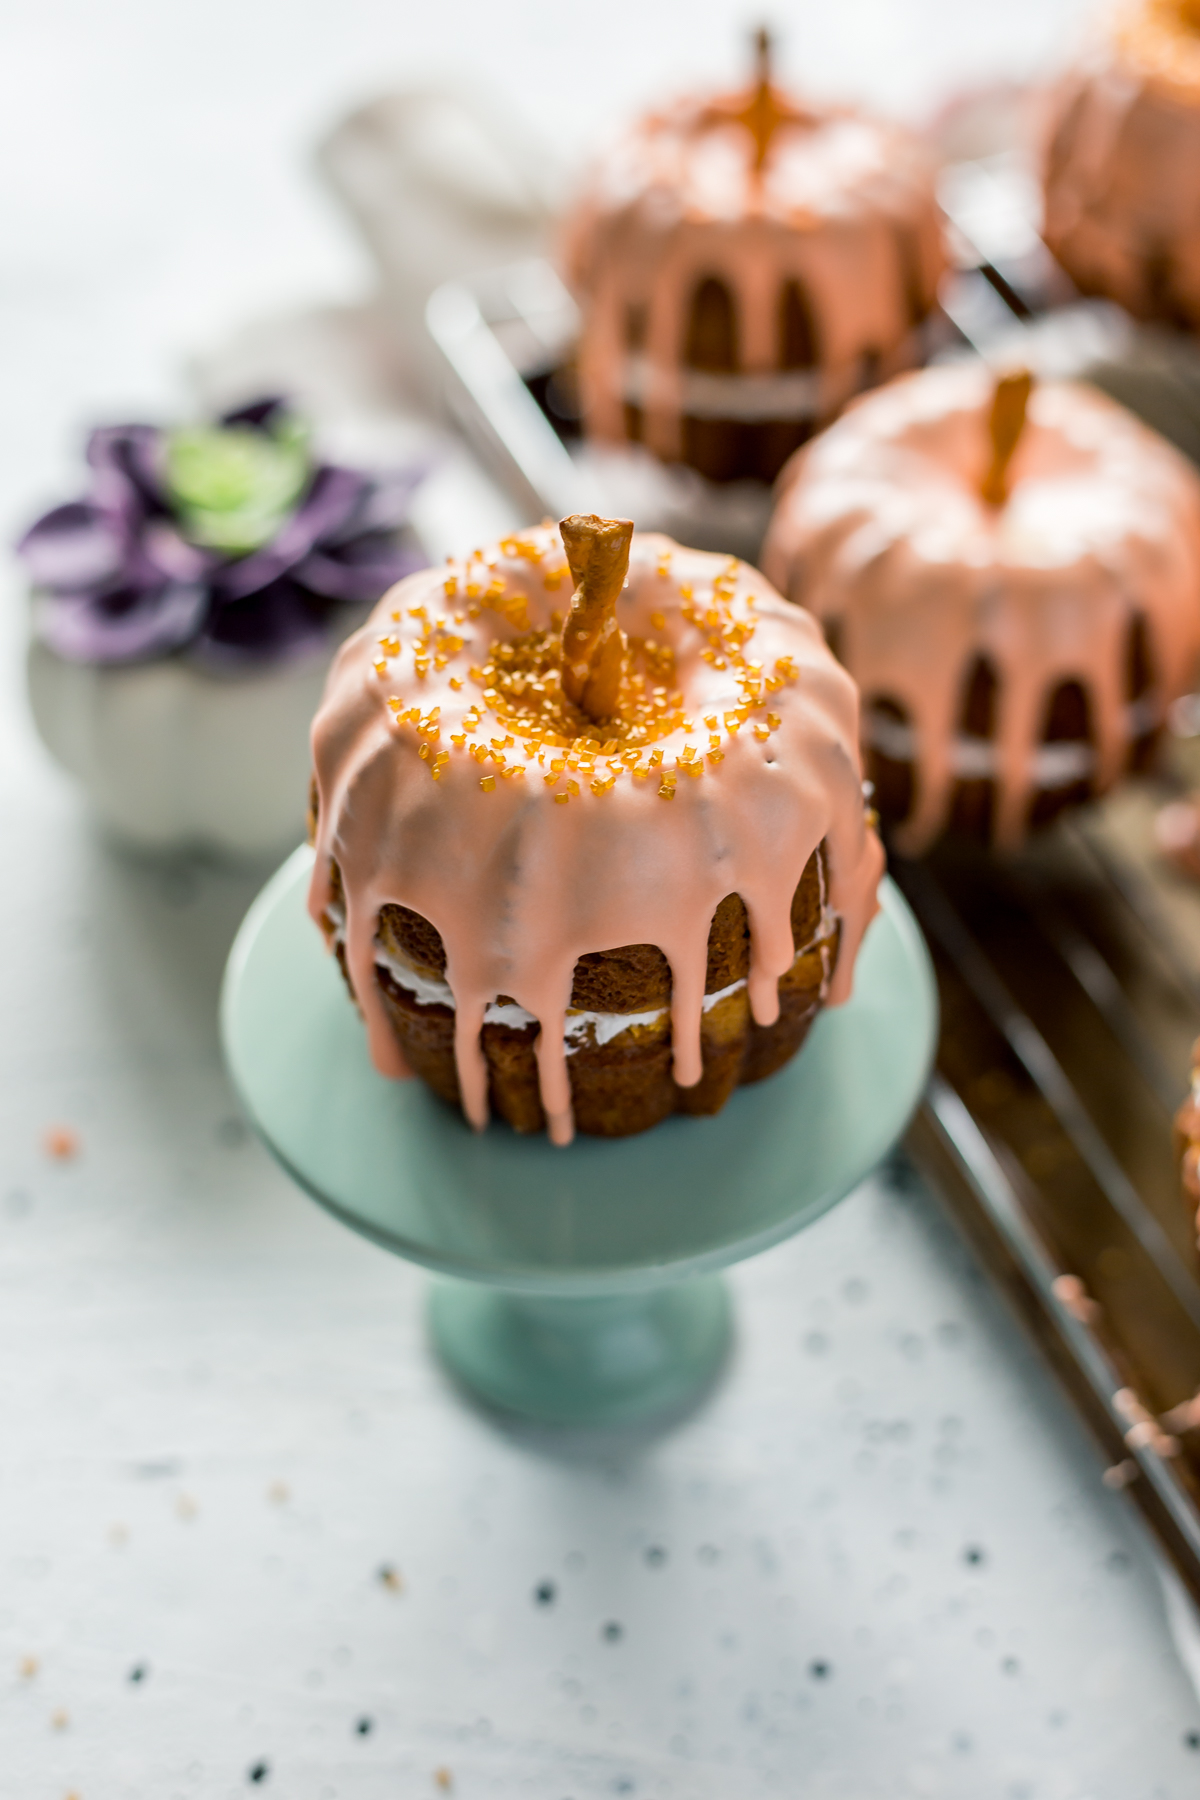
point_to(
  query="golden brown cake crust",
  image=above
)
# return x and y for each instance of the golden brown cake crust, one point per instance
(625, 1085)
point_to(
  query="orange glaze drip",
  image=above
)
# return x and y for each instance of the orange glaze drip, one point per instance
(521, 875)
(880, 527)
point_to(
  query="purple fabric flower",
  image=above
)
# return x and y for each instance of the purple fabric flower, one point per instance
(229, 542)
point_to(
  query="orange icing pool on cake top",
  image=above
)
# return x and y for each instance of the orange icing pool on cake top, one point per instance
(882, 530)
(455, 778)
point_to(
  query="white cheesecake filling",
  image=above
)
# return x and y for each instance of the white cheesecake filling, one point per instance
(753, 396)
(1054, 765)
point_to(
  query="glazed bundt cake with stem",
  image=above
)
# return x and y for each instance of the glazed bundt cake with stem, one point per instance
(591, 843)
(1011, 572)
(1121, 164)
(745, 263)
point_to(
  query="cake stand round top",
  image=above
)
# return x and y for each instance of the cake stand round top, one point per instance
(404, 1169)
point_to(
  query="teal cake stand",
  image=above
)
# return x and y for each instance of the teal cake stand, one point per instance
(576, 1285)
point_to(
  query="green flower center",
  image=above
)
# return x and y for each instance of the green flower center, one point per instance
(233, 486)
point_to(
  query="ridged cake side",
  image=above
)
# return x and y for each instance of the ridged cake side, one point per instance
(618, 1023)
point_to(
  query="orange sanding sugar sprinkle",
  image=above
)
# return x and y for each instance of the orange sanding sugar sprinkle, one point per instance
(522, 680)
(61, 1143)
(511, 607)
(529, 716)
(522, 684)
(521, 549)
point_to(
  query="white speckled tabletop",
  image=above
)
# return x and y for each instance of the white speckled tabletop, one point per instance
(250, 1539)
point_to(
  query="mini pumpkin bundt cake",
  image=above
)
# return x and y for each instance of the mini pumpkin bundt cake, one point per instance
(1121, 171)
(745, 263)
(1011, 573)
(590, 837)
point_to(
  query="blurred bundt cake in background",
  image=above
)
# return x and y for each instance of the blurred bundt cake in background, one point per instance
(746, 263)
(1011, 573)
(1121, 171)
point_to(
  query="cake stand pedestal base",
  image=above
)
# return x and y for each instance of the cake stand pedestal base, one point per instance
(576, 1286)
(611, 1359)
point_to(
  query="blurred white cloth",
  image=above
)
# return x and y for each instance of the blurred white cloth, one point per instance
(441, 183)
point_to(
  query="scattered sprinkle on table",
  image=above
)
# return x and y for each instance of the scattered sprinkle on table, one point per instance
(60, 1142)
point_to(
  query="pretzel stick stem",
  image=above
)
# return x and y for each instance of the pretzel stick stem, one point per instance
(593, 644)
(1005, 425)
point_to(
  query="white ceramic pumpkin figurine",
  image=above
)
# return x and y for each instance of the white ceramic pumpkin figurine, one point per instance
(184, 614)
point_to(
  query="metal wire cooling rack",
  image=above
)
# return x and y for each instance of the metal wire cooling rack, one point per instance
(1070, 996)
